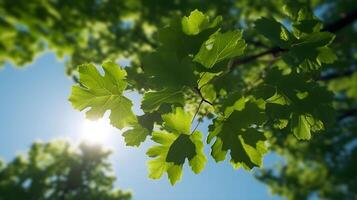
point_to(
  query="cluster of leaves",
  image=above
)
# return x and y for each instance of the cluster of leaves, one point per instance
(57, 170)
(287, 61)
(182, 76)
(326, 165)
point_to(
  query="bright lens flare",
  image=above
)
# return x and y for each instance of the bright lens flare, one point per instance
(99, 131)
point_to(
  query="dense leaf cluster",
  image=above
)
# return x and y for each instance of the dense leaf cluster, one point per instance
(285, 97)
(266, 75)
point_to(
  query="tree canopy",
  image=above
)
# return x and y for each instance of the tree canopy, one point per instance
(58, 170)
(274, 76)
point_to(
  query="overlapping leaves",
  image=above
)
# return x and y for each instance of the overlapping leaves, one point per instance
(190, 65)
(153, 100)
(296, 103)
(176, 145)
(307, 47)
(238, 132)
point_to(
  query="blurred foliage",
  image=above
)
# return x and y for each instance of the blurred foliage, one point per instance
(269, 74)
(58, 170)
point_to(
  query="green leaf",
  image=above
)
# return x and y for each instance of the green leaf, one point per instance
(301, 128)
(172, 152)
(135, 136)
(208, 92)
(158, 165)
(310, 51)
(298, 103)
(178, 122)
(314, 40)
(181, 149)
(198, 162)
(102, 93)
(326, 55)
(152, 100)
(168, 71)
(138, 133)
(220, 46)
(307, 26)
(172, 37)
(278, 114)
(235, 134)
(197, 21)
(176, 145)
(274, 31)
(291, 8)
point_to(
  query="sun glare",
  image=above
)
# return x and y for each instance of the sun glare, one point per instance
(99, 131)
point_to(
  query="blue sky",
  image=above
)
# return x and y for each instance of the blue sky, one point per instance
(34, 106)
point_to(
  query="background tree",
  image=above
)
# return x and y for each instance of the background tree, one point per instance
(290, 75)
(58, 170)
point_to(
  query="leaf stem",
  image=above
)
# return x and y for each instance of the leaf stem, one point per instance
(198, 91)
(198, 109)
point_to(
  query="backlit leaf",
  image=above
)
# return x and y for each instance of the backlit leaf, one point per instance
(103, 93)
(220, 46)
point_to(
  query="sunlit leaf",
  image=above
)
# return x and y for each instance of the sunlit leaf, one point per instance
(103, 93)
(220, 46)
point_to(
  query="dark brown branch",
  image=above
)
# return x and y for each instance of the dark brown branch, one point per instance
(273, 51)
(336, 75)
(198, 91)
(342, 23)
(348, 113)
(258, 44)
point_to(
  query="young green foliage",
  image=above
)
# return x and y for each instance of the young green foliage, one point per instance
(135, 136)
(238, 132)
(302, 105)
(197, 22)
(192, 63)
(166, 67)
(138, 132)
(220, 46)
(102, 93)
(275, 32)
(306, 48)
(176, 145)
(153, 100)
(194, 67)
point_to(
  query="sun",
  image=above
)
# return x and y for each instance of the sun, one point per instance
(98, 132)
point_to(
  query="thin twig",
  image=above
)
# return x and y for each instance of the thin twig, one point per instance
(342, 22)
(198, 123)
(198, 109)
(274, 51)
(198, 91)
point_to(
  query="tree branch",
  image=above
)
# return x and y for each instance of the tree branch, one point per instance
(336, 75)
(273, 51)
(342, 22)
(198, 109)
(198, 91)
(349, 113)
